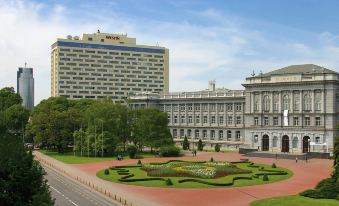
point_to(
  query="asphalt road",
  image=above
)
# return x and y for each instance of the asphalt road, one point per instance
(68, 192)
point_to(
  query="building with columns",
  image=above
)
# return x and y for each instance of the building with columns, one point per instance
(294, 109)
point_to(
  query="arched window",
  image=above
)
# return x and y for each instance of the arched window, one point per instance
(317, 101)
(286, 102)
(266, 101)
(295, 142)
(275, 141)
(317, 140)
(296, 101)
(307, 102)
(221, 134)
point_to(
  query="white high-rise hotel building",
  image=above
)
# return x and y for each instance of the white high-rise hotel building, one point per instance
(103, 65)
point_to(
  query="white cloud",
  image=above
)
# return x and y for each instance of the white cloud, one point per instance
(224, 50)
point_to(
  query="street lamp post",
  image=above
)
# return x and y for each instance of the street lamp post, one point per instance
(95, 139)
(81, 141)
(102, 137)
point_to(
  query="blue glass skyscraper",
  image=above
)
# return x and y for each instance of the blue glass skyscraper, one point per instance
(25, 86)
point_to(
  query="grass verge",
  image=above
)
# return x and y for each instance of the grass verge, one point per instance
(295, 200)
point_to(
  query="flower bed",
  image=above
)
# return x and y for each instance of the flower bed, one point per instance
(207, 170)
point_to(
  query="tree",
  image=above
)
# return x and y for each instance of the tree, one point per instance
(328, 188)
(217, 148)
(200, 145)
(186, 144)
(8, 98)
(21, 177)
(53, 123)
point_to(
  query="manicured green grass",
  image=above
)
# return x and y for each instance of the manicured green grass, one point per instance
(295, 201)
(138, 173)
(69, 158)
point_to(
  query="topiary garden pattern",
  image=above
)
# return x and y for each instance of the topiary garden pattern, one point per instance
(207, 173)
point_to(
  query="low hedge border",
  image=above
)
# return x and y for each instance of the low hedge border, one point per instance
(169, 161)
(215, 184)
(126, 178)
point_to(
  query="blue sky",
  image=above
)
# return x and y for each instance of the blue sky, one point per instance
(220, 40)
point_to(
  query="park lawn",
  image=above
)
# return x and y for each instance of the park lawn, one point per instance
(113, 177)
(69, 158)
(295, 200)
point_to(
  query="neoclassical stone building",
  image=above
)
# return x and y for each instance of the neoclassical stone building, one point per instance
(294, 109)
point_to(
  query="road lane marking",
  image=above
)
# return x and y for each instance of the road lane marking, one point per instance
(63, 195)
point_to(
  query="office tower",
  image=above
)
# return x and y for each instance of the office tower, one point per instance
(25, 86)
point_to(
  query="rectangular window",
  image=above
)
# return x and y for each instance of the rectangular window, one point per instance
(238, 107)
(189, 133)
(266, 121)
(238, 120)
(197, 119)
(190, 119)
(182, 119)
(182, 107)
(221, 119)
(307, 121)
(205, 119)
(275, 121)
(212, 134)
(204, 134)
(189, 107)
(182, 133)
(237, 136)
(229, 135)
(317, 121)
(213, 119)
(204, 107)
(175, 119)
(229, 107)
(220, 107)
(295, 121)
(174, 132)
(230, 120)
(197, 107)
(256, 121)
(212, 107)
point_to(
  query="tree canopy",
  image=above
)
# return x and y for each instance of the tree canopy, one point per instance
(97, 127)
(21, 177)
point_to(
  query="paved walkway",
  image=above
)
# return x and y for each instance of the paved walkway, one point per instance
(306, 176)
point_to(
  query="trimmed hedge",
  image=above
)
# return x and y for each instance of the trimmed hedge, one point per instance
(169, 161)
(170, 151)
(213, 183)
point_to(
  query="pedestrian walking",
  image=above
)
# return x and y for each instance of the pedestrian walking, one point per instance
(296, 159)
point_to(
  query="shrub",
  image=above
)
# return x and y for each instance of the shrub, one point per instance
(170, 151)
(217, 148)
(132, 151)
(169, 182)
(200, 145)
(274, 166)
(186, 144)
(139, 162)
(106, 171)
(327, 188)
(211, 160)
(265, 177)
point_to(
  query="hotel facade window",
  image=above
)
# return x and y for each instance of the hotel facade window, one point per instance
(275, 102)
(275, 121)
(256, 121)
(307, 121)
